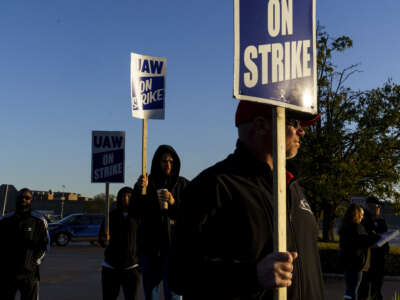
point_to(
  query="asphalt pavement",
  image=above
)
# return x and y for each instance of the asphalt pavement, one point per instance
(73, 273)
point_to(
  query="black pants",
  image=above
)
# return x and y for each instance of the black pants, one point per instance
(112, 280)
(28, 288)
(373, 279)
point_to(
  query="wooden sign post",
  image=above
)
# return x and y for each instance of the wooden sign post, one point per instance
(279, 153)
(107, 210)
(144, 152)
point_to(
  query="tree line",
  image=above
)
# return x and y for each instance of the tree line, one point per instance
(354, 150)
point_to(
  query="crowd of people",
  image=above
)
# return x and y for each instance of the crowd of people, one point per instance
(211, 238)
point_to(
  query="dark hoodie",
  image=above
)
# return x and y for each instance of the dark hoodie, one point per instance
(121, 250)
(157, 225)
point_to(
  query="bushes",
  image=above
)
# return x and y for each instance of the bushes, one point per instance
(330, 260)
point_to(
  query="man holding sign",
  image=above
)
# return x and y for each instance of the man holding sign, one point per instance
(157, 210)
(223, 246)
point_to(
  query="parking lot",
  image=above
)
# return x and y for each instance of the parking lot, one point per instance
(73, 272)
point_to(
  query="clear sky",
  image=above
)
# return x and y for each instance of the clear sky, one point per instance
(64, 71)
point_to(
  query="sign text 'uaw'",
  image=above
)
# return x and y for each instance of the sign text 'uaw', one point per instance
(275, 53)
(108, 156)
(147, 86)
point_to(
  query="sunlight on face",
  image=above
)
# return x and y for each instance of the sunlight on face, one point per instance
(359, 215)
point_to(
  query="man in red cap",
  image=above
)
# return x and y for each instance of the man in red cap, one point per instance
(223, 246)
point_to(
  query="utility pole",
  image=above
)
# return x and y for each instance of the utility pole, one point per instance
(5, 201)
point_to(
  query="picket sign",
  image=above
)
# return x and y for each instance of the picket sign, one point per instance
(148, 75)
(108, 163)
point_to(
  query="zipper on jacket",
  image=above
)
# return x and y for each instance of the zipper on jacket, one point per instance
(298, 257)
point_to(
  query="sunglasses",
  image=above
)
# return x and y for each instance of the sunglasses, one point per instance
(26, 198)
(293, 122)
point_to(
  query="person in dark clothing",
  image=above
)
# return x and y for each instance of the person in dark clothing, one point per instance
(120, 266)
(158, 212)
(355, 246)
(25, 241)
(372, 280)
(223, 245)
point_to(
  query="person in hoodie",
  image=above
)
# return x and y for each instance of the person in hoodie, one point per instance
(120, 266)
(25, 240)
(224, 235)
(157, 210)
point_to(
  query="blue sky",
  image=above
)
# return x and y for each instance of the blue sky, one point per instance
(64, 71)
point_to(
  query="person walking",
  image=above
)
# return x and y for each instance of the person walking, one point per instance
(355, 246)
(223, 245)
(157, 210)
(121, 264)
(374, 223)
(25, 241)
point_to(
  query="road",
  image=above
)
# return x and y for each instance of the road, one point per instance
(73, 272)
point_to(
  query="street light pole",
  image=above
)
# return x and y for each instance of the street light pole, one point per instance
(5, 201)
(62, 202)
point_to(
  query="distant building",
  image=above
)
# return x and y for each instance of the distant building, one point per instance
(47, 202)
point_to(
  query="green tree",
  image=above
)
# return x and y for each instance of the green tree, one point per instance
(97, 204)
(354, 149)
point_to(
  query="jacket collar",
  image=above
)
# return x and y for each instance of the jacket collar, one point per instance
(248, 161)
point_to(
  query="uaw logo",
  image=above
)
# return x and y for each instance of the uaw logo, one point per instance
(148, 85)
(305, 206)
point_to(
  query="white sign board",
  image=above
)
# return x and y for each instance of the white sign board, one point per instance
(275, 53)
(148, 86)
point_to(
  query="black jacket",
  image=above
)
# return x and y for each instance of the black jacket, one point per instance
(156, 224)
(225, 227)
(121, 251)
(25, 241)
(354, 244)
(376, 225)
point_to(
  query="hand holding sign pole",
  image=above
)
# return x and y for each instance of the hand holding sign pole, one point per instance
(275, 64)
(279, 154)
(144, 153)
(147, 94)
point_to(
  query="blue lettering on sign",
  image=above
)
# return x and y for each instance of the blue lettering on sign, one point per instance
(150, 93)
(150, 66)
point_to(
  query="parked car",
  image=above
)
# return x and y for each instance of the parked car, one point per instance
(76, 228)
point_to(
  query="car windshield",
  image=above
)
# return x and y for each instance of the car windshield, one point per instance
(68, 220)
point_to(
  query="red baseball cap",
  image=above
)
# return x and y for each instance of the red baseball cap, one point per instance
(247, 111)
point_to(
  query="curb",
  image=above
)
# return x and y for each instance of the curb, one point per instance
(331, 276)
